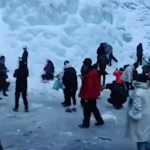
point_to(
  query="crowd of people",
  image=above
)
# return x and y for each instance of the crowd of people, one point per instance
(127, 78)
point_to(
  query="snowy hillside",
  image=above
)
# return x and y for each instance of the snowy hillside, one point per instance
(60, 30)
(69, 29)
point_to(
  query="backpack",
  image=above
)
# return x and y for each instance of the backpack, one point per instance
(125, 66)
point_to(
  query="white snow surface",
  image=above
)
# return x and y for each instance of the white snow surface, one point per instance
(71, 30)
(65, 30)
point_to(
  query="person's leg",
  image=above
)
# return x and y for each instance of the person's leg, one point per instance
(25, 101)
(86, 114)
(104, 79)
(96, 112)
(110, 59)
(17, 95)
(65, 102)
(4, 88)
(141, 146)
(73, 96)
(68, 101)
(82, 102)
(1, 148)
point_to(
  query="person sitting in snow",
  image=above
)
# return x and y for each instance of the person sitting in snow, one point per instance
(70, 86)
(109, 53)
(49, 71)
(3, 76)
(118, 95)
(89, 92)
(102, 62)
(128, 75)
(118, 74)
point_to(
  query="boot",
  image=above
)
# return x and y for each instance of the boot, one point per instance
(82, 126)
(69, 110)
(15, 109)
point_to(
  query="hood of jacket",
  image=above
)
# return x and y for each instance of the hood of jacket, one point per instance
(69, 69)
(141, 85)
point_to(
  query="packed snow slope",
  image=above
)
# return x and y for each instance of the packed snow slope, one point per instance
(71, 29)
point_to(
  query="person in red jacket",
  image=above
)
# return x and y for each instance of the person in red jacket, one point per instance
(118, 74)
(89, 92)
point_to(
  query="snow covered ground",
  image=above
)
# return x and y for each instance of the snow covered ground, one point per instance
(60, 30)
(48, 126)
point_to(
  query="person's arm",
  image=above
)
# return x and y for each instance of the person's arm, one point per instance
(15, 73)
(135, 112)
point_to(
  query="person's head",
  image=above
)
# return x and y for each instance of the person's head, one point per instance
(87, 62)
(121, 69)
(24, 48)
(66, 62)
(21, 64)
(2, 59)
(135, 65)
(146, 72)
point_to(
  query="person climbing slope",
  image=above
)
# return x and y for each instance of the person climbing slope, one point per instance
(102, 62)
(89, 92)
(139, 53)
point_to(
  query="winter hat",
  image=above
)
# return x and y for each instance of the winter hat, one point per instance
(66, 62)
(24, 47)
(87, 62)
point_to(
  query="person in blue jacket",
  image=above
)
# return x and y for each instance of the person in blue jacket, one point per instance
(109, 53)
(139, 54)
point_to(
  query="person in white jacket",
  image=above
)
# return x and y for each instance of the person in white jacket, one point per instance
(128, 75)
(138, 114)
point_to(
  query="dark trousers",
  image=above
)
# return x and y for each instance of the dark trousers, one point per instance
(111, 57)
(1, 148)
(70, 95)
(4, 86)
(139, 60)
(90, 106)
(126, 86)
(47, 77)
(65, 99)
(24, 97)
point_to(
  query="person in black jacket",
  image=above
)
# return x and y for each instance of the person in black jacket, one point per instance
(3, 76)
(21, 74)
(118, 95)
(25, 55)
(70, 85)
(102, 62)
(139, 54)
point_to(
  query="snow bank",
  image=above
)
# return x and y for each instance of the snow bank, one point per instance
(69, 29)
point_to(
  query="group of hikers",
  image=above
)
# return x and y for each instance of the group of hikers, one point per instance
(138, 114)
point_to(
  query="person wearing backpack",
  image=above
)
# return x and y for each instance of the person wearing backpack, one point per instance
(49, 71)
